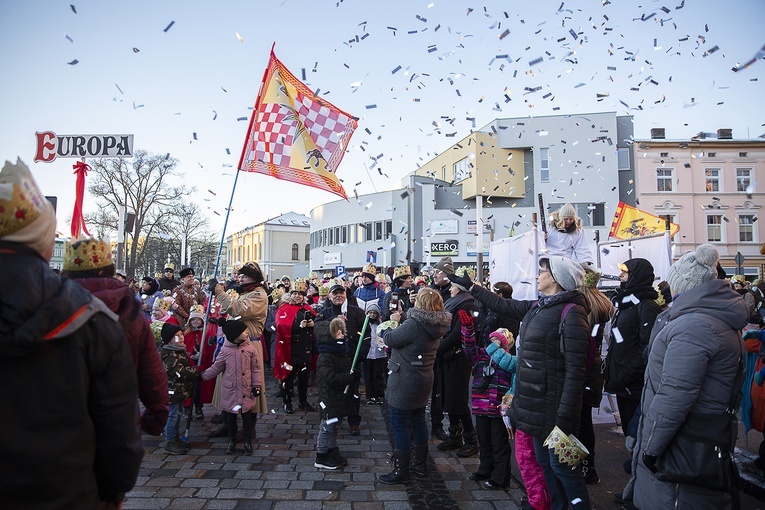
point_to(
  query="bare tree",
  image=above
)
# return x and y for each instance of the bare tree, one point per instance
(141, 185)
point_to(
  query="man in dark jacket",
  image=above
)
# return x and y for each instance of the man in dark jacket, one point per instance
(337, 306)
(168, 281)
(441, 273)
(369, 292)
(66, 368)
(551, 369)
(400, 298)
(96, 277)
(636, 311)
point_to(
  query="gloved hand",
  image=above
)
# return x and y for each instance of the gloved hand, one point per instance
(466, 319)
(629, 443)
(759, 378)
(211, 286)
(463, 281)
(256, 391)
(650, 462)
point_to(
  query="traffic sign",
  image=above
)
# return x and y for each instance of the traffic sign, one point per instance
(339, 270)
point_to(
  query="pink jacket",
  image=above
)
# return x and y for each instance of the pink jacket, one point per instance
(241, 370)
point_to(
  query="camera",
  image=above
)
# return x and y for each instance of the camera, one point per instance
(393, 306)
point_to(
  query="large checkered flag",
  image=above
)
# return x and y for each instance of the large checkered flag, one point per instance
(295, 135)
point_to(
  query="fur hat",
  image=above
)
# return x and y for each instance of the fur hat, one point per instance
(566, 273)
(505, 337)
(401, 273)
(187, 271)
(446, 265)
(252, 269)
(323, 290)
(197, 312)
(299, 285)
(168, 332)
(26, 216)
(370, 271)
(693, 268)
(335, 325)
(232, 328)
(86, 254)
(336, 284)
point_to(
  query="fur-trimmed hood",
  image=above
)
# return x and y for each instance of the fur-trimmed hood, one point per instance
(434, 322)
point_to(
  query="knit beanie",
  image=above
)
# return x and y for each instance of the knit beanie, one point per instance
(567, 273)
(505, 337)
(693, 268)
(446, 265)
(168, 332)
(373, 307)
(232, 328)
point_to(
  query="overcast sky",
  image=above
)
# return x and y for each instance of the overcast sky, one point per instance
(182, 76)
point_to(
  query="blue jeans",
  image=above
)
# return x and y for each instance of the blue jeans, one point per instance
(172, 428)
(401, 420)
(566, 485)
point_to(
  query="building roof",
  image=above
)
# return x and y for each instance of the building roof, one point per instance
(290, 219)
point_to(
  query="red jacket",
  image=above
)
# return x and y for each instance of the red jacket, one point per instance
(152, 379)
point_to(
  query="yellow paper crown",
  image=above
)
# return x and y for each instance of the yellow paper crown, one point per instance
(370, 268)
(591, 279)
(21, 201)
(86, 254)
(466, 271)
(401, 272)
(299, 285)
(313, 275)
(276, 296)
(324, 290)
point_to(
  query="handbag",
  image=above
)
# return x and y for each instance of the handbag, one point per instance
(701, 453)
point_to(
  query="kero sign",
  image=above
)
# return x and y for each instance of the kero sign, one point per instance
(50, 146)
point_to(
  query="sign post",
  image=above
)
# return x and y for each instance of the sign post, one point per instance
(739, 263)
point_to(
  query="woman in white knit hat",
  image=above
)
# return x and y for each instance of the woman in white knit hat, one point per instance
(566, 236)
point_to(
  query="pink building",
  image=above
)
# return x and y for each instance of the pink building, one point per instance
(708, 186)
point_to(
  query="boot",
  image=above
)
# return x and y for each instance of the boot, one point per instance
(231, 446)
(334, 454)
(325, 461)
(454, 441)
(248, 447)
(221, 432)
(588, 470)
(400, 473)
(420, 465)
(437, 431)
(288, 404)
(470, 447)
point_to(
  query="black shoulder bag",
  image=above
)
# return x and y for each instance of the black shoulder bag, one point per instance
(701, 453)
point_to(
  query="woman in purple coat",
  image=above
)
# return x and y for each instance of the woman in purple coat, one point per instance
(241, 382)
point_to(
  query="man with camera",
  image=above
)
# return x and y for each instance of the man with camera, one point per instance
(402, 294)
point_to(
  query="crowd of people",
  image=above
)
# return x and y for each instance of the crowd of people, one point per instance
(511, 376)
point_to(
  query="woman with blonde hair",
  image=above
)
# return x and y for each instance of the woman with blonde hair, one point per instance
(600, 314)
(566, 236)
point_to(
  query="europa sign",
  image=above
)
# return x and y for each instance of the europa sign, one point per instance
(50, 146)
(450, 247)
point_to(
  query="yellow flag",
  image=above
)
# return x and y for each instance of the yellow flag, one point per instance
(631, 222)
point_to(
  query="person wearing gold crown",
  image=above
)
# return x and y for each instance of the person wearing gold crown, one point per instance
(168, 281)
(370, 291)
(66, 368)
(89, 263)
(398, 299)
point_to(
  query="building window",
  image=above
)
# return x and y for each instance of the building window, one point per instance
(623, 158)
(343, 234)
(378, 230)
(713, 179)
(331, 236)
(743, 179)
(664, 154)
(295, 251)
(307, 252)
(388, 228)
(544, 165)
(714, 228)
(368, 231)
(743, 154)
(711, 154)
(663, 179)
(746, 228)
(337, 235)
(443, 173)
(461, 170)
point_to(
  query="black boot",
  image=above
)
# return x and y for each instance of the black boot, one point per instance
(420, 465)
(588, 470)
(231, 446)
(288, 404)
(222, 431)
(248, 447)
(334, 454)
(400, 473)
(437, 431)
(454, 441)
(470, 447)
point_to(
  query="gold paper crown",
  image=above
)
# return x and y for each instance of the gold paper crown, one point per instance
(420, 279)
(170, 266)
(163, 304)
(299, 285)
(156, 331)
(591, 279)
(197, 311)
(336, 281)
(401, 272)
(86, 254)
(370, 268)
(569, 449)
(328, 275)
(21, 201)
(660, 299)
(382, 278)
(466, 271)
(313, 275)
(738, 279)
(276, 296)
(324, 290)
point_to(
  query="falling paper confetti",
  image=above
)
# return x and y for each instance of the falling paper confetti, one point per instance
(169, 26)
(239, 37)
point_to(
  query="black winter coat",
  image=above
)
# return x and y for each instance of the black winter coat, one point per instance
(70, 436)
(355, 322)
(332, 376)
(403, 299)
(455, 367)
(491, 321)
(550, 380)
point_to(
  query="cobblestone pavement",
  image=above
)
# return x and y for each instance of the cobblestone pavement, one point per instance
(280, 474)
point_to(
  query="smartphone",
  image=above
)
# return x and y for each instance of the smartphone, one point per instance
(393, 302)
